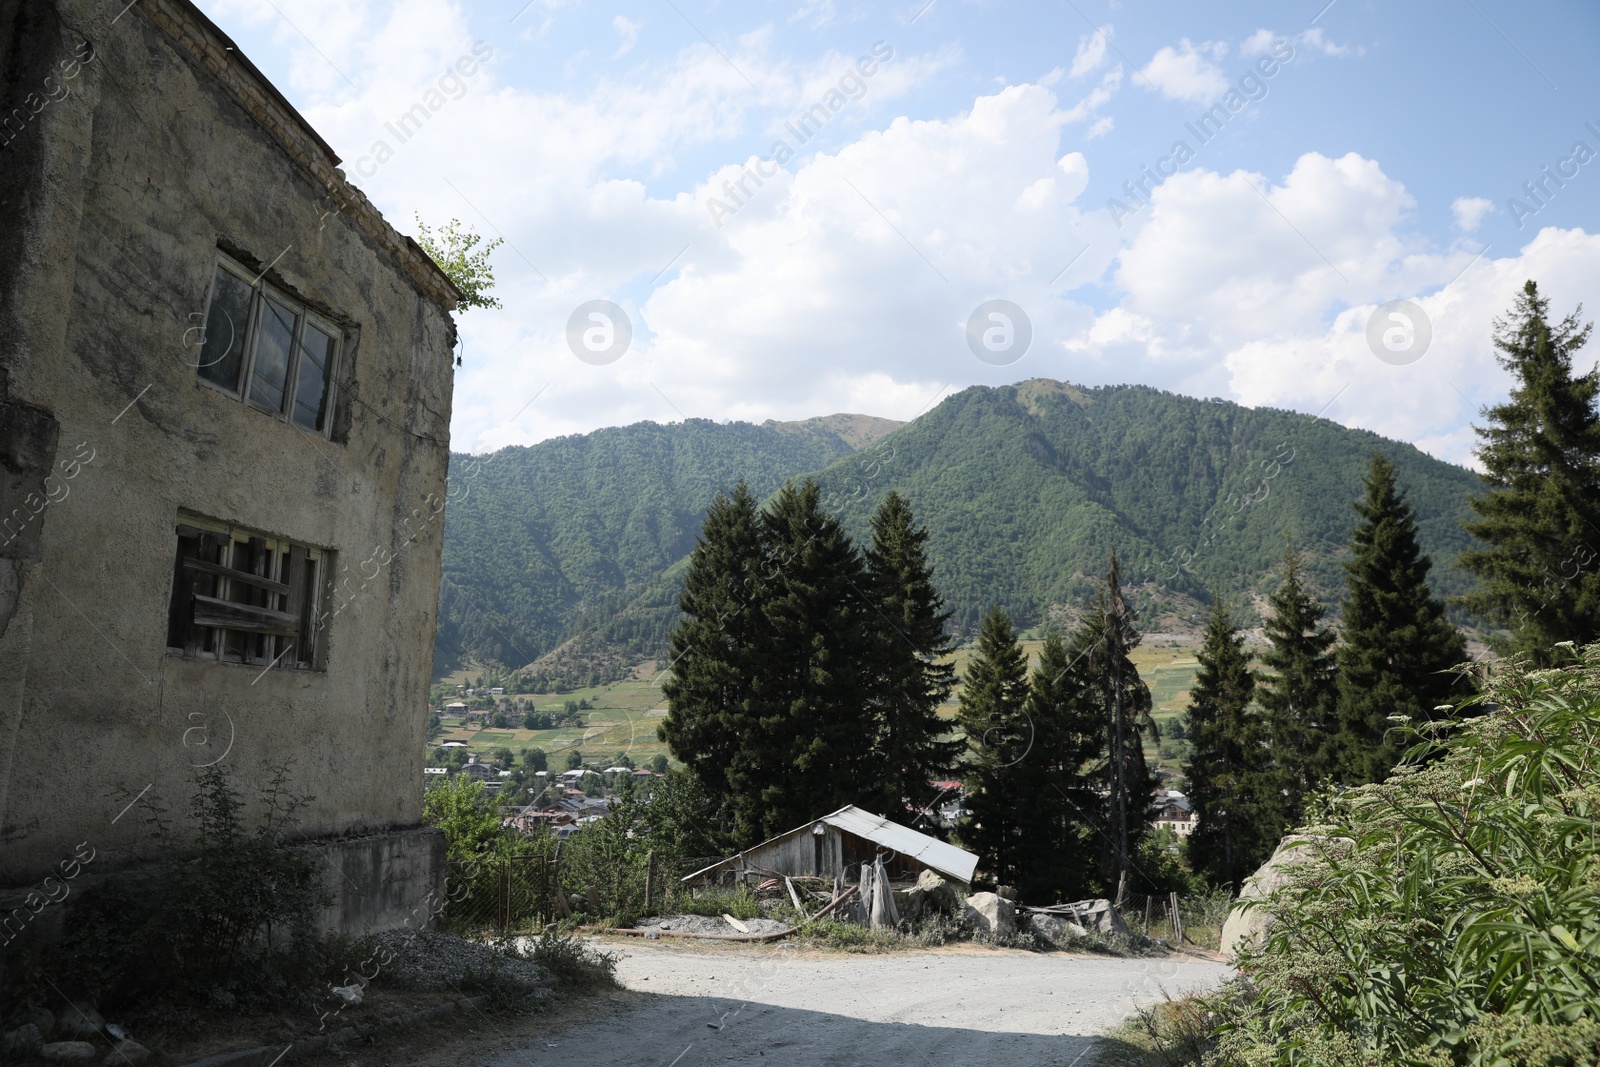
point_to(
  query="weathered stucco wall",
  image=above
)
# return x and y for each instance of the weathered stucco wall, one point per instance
(117, 194)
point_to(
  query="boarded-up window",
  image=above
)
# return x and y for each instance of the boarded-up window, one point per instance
(243, 597)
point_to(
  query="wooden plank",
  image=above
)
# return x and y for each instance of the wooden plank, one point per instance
(209, 611)
(736, 924)
(294, 576)
(795, 896)
(210, 546)
(237, 575)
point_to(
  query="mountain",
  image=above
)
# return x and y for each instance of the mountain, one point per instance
(544, 541)
(1026, 488)
(572, 550)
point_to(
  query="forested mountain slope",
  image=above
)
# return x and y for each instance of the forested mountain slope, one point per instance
(1024, 489)
(540, 540)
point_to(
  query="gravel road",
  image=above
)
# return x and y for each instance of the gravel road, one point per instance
(954, 1007)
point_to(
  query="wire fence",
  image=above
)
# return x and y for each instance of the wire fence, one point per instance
(1195, 918)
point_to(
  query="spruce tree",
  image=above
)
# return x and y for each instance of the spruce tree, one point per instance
(1540, 521)
(1105, 639)
(1069, 736)
(908, 681)
(1399, 649)
(715, 646)
(999, 739)
(1230, 781)
(803, 755)
(1300, 695)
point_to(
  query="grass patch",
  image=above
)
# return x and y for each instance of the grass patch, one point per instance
(1173, 1033)
(714, 901)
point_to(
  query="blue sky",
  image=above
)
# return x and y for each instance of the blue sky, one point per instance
(1370, 154)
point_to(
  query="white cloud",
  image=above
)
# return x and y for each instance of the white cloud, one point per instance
(1260, 43)
(1187, 72)
(1469, 211)
(628, 31)
(1091, 52)
(1263, 291)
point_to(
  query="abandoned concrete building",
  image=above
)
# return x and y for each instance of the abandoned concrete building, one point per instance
(225, 386)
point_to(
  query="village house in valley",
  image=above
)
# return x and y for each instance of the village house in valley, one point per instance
(225, 388)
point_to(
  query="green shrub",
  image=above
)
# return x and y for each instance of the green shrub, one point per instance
(230, 925)
(1450, 915)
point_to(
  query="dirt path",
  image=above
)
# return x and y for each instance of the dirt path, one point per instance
(951, 1007)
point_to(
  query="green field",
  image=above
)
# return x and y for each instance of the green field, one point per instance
(621, 722)
(624, 715)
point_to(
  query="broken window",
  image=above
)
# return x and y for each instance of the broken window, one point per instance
(243, 597)
(268, 349)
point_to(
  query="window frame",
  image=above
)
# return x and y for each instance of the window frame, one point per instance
(306, 317)
(246, 647)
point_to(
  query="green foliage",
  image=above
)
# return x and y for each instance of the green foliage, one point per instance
(1300, 694)
(576, 536)
(908, 683)
(1023, 489)
(1539, 524)
(1450, 915)
(230, 925)
(535, 759)
(1231, 781)
(1399, 654)
(451, 247)
(574, 760)
(469, 817)
(999, 735)
(682, 816)
(716, 900)
(609, 858)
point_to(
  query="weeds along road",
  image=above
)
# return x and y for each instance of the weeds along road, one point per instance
(950, 1007)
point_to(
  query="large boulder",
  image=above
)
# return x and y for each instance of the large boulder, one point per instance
(20, 1044)
(80, 1023)
(991, 914)
(1098, 916)
(68, 1052)
(1054, 928)
(932, 895)
(1250, 925)
(127, 1053)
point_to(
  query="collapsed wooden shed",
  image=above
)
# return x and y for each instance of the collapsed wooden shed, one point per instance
(837, 844)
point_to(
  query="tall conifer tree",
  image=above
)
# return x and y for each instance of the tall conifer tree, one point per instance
(1300, 695)
(1000, 738)
(1540, 521)
(1230, 781)
(908, 679)
(1106, 637)
(807, 752)
(715, 645)
(1398, 647)
(1069, 738)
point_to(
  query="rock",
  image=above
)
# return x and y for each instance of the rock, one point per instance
(40, 1017)
(127, 1051)
(1055, 928)
(1097, 916)
(80, 1023)
(21, 1043)
(1007, 891)
(1250, 925)
(992, 914)
(351, 994)
(932, 895)
(67, 1052)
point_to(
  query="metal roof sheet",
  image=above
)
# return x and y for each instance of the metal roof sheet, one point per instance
(945, 858)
